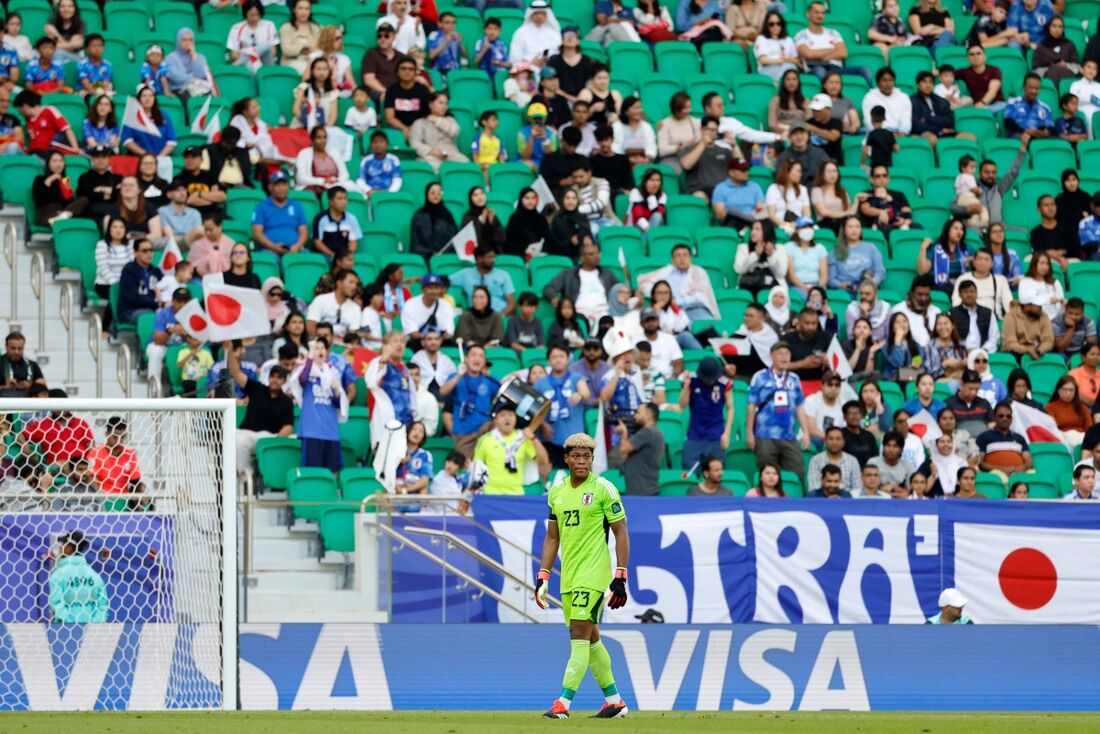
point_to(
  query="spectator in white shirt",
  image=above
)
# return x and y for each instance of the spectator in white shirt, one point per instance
(338, 307)
(435, 366)
(428, 310)
(409, 31)
(823, 49)
(668, 358)
(898, 105)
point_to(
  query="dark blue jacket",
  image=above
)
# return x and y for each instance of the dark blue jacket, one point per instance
(933, 120)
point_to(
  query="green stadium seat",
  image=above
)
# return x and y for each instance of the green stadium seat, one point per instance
(416, 175)
(71, 239)
(868, 57)
(337, 529)
(726, 60)
(949, 150)
(689, 212)
(655, 92)
(1052, 157)
(310, 486)
(628, 239)
(458, 178)
(992, 486)
(91, 299)
(1039, 487)
(630, 60)
(1013, 68)
(276, 83)
(908, 61)
(469, 84)
(395, 210)
(978, 122)
(216, 23)
(170, 17)
(1052, 459)
(301, 271)
(754, 91)
(915, 154)
(938, 186)
(355, 432)
(275, 457)
(516, 268)
(508, 179)
(1088, 153)
(661, 240)
(677, 58)
(126, 17)
(673, 485)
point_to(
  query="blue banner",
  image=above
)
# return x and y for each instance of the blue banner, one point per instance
(710, 560)
(663, 667)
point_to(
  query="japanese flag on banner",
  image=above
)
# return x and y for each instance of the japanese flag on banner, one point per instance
(925, 426)
(542, 190)
(193, 320)
(1036, 426)
(464, 243)
(136, 118)
(172, 255)
(599, 457)
(837, 361)
(735, 346)
(234, 312)
(1013, 574)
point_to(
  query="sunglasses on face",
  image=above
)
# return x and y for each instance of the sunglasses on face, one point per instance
(979, 360)
(145, 250)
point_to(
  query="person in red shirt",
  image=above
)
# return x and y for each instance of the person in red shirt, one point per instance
(982, 80)
(45, 124)
(61, 437)
(114, 465)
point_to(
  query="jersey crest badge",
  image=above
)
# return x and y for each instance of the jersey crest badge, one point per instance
(586, 499)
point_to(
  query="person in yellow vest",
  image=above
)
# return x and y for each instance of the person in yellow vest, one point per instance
(507, 455)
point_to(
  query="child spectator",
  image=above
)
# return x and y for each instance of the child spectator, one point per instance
(1069, 126)
(153, 72)
(452, 479)
(44, 75)
(949, 89)
(967, 192)
(94, 74)
(14, 37)
(880, 143)
(490, 53)
(194, 361)
(360, 117)
(445, 51)
(381, 170)
(178, 278)
(524, 329)
(486, 148)
(520, 87)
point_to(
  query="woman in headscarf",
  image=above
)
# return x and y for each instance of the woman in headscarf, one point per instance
(486, 225)
(1073, 203)
(778, 307)
(393, 291)
(1055, 56)
(433, 225)
(992, 388)
(188, 74)
(538, 38)
(942, 466)
(1019, 389)
(526, 226)
(275, 303)
(625, 309)
(480, 324)
(569, 229)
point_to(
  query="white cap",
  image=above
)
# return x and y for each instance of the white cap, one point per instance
(616, 342)
(1030, 298)
(952, 598)
(821, 101)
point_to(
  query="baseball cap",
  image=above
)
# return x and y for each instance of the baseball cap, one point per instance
(952, 598)
(821, 101)
(279, 176)
(803, 222)
(154, 49)
(383, 25)
(709, 370)
(648, 313)
(780, 345)
(431, 279)
(537, 109)
(593, 342)
(796, 126)
(737, 164)
(193, 150)
(549, 72)
(181, 294)
(101, 150)
(651, 616)
(76, 537)
(1028, 298)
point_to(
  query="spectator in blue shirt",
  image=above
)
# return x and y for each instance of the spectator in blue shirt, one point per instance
(101, 125)
(853, 260)
(166, 332)
(1030, 18)
(1069, 126)
(445, 50)
(490, 53)
(94, 74)
(381, 170)
(737, 200)
(614, 22)
(9, 66)
(775, 412)
(1026, 114)
(139, 142)
(1089, 229)
(498, 282)
(153, 71)
(278, 224)
(469, 394)
(44, 75)
(137, 284)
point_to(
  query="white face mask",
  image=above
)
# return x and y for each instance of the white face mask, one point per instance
(806, 234)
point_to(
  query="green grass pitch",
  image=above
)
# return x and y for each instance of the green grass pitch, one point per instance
(525, 722)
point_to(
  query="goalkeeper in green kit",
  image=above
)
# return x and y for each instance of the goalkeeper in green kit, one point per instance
(583, 506)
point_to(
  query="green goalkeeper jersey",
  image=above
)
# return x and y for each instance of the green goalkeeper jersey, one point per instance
(584, 515)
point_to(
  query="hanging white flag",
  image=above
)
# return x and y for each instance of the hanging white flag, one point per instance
(198, 125)
(599, 457)
(193, 320)
(136, 118)
(214, 126)
(464, 243)
(234, 312)
(837, 361)
(542, 190)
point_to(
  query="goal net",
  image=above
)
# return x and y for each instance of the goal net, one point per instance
(117, 554)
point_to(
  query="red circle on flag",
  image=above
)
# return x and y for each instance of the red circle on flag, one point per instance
(223, 310)
(197, 323)
(1028, 578)
(470, 247)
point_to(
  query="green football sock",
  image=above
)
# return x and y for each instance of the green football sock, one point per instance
(599, 660)
(574, 670)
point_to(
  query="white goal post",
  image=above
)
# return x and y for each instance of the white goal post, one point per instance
(118, 554)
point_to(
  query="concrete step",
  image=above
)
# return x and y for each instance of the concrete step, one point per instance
(287, 548)
(300, 582)
(315, 607)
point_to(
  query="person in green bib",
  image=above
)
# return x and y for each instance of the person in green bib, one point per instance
(583, 507)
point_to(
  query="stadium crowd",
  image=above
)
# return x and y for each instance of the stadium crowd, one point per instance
(835, 264)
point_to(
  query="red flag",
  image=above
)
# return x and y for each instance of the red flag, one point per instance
(234, 312)
(193, 320)
(172, 255)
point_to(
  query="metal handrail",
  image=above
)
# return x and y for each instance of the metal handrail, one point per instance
(462, 545)
(11, 237)
(153, 388)
(124, 368)
(95, 346)
(453, 570)
(38, 278)
(67, 305)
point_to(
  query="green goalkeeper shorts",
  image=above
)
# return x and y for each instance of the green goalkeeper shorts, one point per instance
(583, 605)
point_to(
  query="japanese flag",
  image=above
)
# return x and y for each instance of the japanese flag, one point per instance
(542, 190)
(198, 125)
(136, 118)
(193, 320)
(234, 312)
(464, 243)
(735, 346)
(925, 426)
(214, 126)
(1036, 426)
(172, 254)
(1015, 574)
(837, 361)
